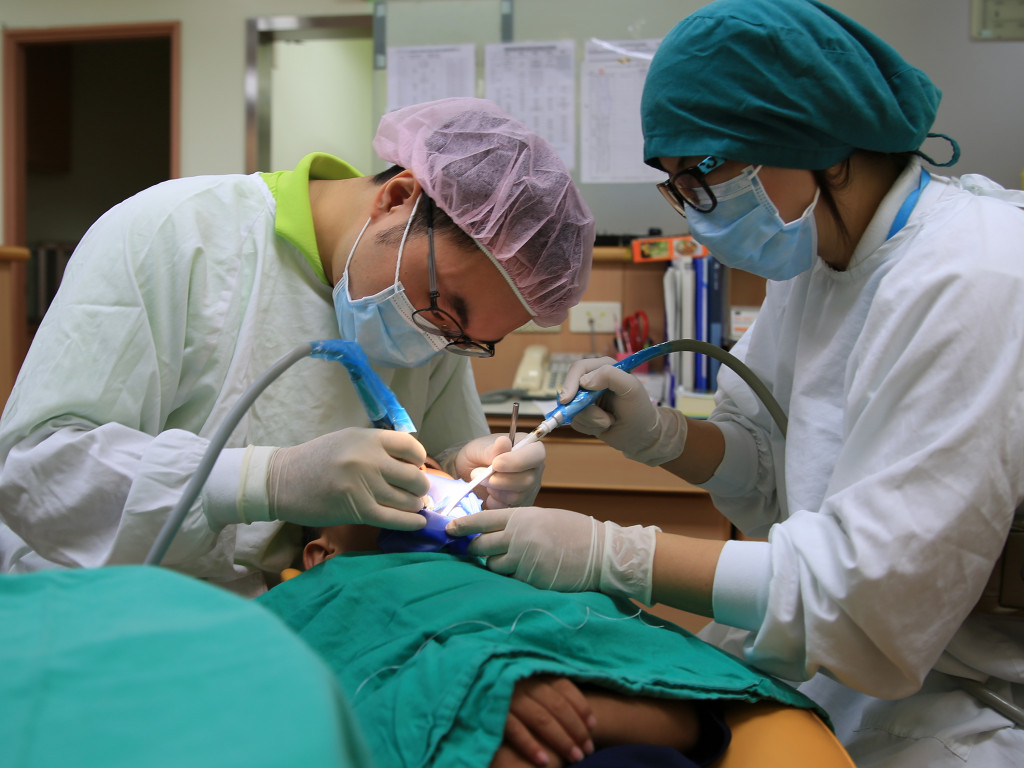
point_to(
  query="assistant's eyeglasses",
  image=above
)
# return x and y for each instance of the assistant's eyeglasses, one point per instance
(436, 321)
(689, 187)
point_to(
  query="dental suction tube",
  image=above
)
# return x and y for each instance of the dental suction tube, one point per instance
(381, 405)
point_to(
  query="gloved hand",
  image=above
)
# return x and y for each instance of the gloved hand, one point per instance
(624, 416)
(517, 474)
(355, 475)
(563, 550)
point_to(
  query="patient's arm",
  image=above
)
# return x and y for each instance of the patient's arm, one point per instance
(620, 719)
(623, 719)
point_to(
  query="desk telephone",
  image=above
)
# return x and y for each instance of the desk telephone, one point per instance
(541, 372)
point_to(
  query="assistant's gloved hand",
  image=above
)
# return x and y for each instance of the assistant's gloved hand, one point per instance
(355, 475)
(563, 550)
(624, 416)
(517, 474)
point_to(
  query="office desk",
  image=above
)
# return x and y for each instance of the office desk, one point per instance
(586, 475)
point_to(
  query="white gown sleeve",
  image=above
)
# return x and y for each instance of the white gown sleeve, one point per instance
(91, 462)
(871, 587)
(743, 486)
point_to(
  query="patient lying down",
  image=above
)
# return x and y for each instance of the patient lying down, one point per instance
(446, 663)
(551, 720)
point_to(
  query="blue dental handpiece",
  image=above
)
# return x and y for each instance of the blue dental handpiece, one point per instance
(564, 414)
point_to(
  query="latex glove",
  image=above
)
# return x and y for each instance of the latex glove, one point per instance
(563, 550)
(624, 416)
(355, 475)
(517, 475)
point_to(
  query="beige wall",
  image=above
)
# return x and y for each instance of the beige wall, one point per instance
(981, 81)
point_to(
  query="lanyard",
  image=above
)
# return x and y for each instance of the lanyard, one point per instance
(908, 205)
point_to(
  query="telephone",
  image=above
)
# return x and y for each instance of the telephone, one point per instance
(541, 373)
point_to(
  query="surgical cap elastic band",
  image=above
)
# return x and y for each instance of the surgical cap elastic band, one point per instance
(953, 144)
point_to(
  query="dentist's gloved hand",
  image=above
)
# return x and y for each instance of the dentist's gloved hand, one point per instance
(355, 475)
(624, 416)
(563, 550)
(517, 474)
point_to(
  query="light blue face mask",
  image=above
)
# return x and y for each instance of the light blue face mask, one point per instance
(745, 231)
(382, 323)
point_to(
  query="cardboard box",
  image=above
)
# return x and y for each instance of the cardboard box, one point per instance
(648, 249)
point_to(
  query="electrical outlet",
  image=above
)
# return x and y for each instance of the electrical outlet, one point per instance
(605, 315)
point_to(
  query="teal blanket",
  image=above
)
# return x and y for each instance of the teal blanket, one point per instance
(140, 667)
(428, 648)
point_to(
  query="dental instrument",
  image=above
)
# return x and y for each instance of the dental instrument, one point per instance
(564, 414)
(381, 405)
(512, 426)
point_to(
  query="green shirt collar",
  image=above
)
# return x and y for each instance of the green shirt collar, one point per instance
(294, 218)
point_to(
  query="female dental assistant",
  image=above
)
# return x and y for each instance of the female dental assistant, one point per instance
(179, 298)
(892, 334)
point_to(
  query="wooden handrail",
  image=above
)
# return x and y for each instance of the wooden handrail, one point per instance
(14, 253)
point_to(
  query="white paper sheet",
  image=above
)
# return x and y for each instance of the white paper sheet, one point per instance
(611, 141)
(536, 83)
(429, 72)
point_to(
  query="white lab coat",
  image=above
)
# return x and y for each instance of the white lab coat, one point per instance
(174, 302)
(889, 502)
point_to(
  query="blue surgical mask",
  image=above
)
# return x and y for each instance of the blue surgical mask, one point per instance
(745, 231)
(382, 323)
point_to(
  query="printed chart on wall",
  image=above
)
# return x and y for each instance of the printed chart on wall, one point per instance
(536, 83)
(429, 72)
(611, 140)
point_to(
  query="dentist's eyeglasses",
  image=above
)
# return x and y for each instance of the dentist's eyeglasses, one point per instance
(689, 187)
(436, 321)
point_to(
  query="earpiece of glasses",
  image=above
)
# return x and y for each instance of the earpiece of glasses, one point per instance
(689, 187)
(436, 321)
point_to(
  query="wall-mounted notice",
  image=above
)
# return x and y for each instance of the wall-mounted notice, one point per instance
(536, 83)
(611, 141)
(429, 72)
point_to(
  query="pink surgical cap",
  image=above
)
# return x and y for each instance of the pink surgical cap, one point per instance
(504, 186)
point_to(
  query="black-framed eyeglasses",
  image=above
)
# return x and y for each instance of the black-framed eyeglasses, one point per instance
(689, 187)
(436, 321)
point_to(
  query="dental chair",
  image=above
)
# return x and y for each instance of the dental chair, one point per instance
(768, 735)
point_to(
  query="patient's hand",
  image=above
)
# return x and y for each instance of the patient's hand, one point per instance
(611, 719)
(548, 718)
(506, 757)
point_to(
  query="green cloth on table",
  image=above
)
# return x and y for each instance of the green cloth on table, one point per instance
(428, 648)
(142, 667)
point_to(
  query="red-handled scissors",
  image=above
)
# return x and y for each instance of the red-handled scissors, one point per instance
(637, 330)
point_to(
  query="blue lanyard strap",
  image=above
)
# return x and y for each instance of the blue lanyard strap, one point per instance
(908, 205)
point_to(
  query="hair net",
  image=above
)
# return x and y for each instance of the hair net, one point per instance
(786, 83)
(504, 186)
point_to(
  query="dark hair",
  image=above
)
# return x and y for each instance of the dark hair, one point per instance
(309, 534)
(829, 181)
(443, 223)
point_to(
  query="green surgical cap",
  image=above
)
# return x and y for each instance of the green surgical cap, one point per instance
(784, 83)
